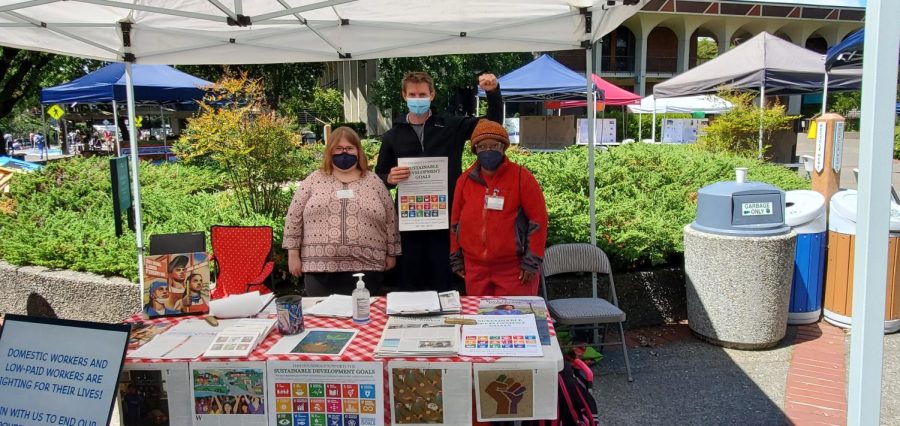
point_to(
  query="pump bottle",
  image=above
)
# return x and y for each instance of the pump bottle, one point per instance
(360, 301)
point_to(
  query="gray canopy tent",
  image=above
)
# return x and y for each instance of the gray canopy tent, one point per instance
(765, 63)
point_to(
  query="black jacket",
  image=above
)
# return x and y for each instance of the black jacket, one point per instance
(445, 136)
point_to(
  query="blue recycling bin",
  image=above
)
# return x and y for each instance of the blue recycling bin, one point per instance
(805, 213)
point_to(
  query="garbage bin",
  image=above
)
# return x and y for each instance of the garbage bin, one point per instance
(838, 304)
(738, 256)
(805, 213)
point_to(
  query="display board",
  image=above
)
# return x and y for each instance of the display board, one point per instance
(59, 371)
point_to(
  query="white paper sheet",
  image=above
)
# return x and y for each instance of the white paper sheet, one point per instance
(236, 306)
(423, 199)
(501, 335)
(430, 392)
(515, 391)
(326, 393)
(412, 302)
(186, 340)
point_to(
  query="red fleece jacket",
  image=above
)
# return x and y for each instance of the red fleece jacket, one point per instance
(519, 231)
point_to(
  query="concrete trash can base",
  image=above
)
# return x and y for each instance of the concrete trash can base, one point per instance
(738, 287)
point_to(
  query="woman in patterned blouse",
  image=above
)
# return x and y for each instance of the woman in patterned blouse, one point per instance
(341, 221)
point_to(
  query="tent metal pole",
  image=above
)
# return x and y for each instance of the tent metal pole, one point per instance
(135, 184)
(43, 125)
(640, 136)
(162, 121)
(592, 145)
(882, 42)
(116, 123)
(825, 94)
(653, 122)
(762, 115)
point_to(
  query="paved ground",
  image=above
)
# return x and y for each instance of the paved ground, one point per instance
(679, 380)
(849, 161)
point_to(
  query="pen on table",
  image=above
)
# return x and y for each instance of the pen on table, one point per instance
(266, 305)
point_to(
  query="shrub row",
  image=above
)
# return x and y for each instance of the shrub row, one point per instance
(61, 217)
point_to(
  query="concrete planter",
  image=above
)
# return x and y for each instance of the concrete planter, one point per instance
(738, 288)
(39, 291)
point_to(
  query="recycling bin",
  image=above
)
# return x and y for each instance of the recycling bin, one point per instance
(805, 213)
(739, 258)
(838, 303)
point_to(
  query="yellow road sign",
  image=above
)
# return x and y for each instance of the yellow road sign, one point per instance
(138, 121)
(55, 111)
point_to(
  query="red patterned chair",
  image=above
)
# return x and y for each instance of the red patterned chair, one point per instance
(241, 254)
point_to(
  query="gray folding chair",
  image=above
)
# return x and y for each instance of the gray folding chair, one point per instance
(584, 313)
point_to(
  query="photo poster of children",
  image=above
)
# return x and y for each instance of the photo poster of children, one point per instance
(176, 284)
(155, 394)
(229, 393)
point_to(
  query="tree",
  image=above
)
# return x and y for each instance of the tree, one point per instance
(737, 131)
(453, 75)
(707, 49)
(282, 84)
(253, 144)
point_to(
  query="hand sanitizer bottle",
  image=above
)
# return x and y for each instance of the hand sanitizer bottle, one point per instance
(360, 301)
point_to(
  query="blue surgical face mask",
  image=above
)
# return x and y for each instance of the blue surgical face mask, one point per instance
(418, 106)
(490, 160)
(344, 161)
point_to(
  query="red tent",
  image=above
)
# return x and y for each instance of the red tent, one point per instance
(613, 95)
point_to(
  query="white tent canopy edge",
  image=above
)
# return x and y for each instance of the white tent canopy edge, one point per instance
(279, 31)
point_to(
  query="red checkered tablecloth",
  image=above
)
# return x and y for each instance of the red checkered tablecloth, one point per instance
(360, 349)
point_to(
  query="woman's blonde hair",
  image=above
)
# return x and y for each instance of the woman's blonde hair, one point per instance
(337, 135)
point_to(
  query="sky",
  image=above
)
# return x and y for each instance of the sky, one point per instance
(837, 3)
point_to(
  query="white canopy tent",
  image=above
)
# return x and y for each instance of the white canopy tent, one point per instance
(707, 104)
(275, 31)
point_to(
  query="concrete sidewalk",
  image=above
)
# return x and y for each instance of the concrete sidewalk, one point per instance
(679, 380)
(849, 161)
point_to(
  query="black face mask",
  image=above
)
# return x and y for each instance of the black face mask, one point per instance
(490, 160)
(344, 161)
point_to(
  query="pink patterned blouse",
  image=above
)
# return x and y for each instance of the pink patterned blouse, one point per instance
(342, 227)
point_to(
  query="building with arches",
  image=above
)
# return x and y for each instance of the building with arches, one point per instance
(657, 43)
(661, 40)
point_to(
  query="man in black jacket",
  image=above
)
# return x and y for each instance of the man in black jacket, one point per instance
(425, 264)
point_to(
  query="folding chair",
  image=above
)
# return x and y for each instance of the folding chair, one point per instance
(584, 313)
(242, 255)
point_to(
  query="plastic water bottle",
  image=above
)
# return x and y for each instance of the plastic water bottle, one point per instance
(360, 301)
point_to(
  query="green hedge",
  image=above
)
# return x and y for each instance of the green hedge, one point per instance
(61, 217)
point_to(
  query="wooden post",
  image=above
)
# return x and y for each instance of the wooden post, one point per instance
(326, 131)
(826, 174)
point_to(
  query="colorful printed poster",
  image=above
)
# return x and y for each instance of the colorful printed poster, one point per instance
(157, 394)
(509, 391)
(315, 341)
(228, 393)
(501, 335)
(176, 284)
(423, 199)
(326, 393)
(430, 393)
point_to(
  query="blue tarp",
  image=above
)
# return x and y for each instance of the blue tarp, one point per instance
(152, 83)
(847, 52)
(542, 79)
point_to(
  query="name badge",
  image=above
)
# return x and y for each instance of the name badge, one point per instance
(344, 193)
(493, 202)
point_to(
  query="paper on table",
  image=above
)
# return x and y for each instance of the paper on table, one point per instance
(159, 346)
(186, 340)
(501, 335)
(315, 341)
(400, 302)
(236, 306)
(336, 305)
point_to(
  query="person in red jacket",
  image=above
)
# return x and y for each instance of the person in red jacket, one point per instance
(498, 225)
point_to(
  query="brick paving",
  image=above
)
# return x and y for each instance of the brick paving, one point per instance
(816, 391)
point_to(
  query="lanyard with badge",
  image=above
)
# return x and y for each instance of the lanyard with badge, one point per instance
(493, 201)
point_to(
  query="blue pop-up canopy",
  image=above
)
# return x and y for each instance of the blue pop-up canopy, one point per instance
(542, 79)
(152, 83)
(847, 52)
